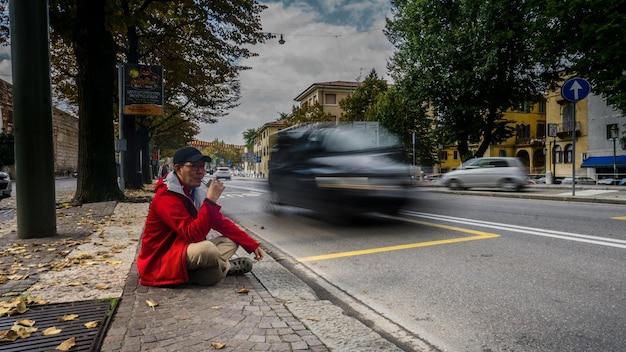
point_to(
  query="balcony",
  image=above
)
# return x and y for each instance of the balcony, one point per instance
(564, 130)
(529, 141)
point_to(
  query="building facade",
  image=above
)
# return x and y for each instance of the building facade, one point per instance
(606, 147)
(526, 143)
(263, 143)
(64, 132)
(328, 95)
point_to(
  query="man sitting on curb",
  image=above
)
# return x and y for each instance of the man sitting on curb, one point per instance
(174, 249)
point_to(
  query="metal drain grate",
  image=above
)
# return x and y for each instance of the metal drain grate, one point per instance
(48, 315)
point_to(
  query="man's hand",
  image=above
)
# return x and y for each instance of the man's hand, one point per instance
(215, 191)
(259, 253)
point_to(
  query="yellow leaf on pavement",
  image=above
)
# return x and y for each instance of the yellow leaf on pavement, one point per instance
(218, 345)
(25, 322)
(51, 331)
(8, 336)
(75, 283)
(92, 324)
(151, 303)
(67, 344)
(68, 317)
(243, 290)
(102, 286)
(23, 331)
(216, 307)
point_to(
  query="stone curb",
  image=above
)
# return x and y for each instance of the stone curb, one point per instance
(534, 196)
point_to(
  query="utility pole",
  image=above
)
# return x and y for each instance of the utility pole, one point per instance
(614, 135)
(32, 111)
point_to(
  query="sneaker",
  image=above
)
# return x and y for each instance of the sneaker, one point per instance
(240, 266)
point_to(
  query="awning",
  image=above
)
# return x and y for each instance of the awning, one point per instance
(604, 161)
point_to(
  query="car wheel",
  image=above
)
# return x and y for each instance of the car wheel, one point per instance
(455, 184)
(509, 185)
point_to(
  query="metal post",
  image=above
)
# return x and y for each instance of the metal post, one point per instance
(32, 111)
(614, 160)
(121, 144)
(573, 112)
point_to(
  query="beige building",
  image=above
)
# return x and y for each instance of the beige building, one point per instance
(328, 95)
(263, 144)
(64, 132)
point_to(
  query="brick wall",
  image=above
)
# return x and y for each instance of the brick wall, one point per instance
(64, 129)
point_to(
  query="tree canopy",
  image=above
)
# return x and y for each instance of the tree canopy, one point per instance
(469, 61)
(357, 107)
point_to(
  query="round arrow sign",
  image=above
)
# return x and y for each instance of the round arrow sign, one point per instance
(575, 89)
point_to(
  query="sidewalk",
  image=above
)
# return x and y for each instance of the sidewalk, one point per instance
(87, 273)
(584, 193)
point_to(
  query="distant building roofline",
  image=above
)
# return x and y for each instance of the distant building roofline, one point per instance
(332, 84)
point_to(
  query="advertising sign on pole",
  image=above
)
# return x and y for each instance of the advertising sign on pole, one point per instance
(143, 90)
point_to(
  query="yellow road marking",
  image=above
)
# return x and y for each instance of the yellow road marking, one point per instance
(619, 218)
(477, 235)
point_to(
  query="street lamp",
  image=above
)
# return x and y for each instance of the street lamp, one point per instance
(614, 131)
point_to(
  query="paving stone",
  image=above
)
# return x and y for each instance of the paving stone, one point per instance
(299, 346)
(279, 325)
(291, 338)
(261, 347)
(256, 338)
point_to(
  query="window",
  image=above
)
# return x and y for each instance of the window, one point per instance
(542, 106)
(443, 155)
(525, 107)
(456, 155)
(568, 154)
(330, 99)
(612, 131)
(502, 153)
(498, 163)
(557, 154)
(566, 117)
(541, 130)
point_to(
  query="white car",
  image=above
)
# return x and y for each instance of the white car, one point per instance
(222, 173)
(507, 173)
(5, 185)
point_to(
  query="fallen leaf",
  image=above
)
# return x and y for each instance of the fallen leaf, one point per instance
(25, 322)
(102, 286)
(51, 331)
(243, 290)
(151, 303)
(21, 308)
(67, 344)
(6, 311)
(92, 324)
(10, 294)
(68, 317)
(218, 345)
(40, 301)
(8, 336)
(51, 249)
(216, 307)
(23, 331)
(75, 283)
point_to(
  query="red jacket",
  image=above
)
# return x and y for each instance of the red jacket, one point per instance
(174, 221)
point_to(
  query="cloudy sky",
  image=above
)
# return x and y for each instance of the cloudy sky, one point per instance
(326, 40)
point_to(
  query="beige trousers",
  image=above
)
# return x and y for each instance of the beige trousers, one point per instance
(207, 261)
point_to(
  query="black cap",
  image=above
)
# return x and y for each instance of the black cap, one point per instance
(189, 154)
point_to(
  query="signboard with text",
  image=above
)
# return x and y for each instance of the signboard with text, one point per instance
(553, 129)
(143, 90)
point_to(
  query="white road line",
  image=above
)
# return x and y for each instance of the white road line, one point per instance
(246, 188)
(603, 241)
(588, 193)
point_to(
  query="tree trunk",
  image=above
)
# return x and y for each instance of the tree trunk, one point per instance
(133, 166)
(95, 54)
(487, 133)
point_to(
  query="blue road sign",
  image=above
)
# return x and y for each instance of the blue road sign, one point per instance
(575, 89)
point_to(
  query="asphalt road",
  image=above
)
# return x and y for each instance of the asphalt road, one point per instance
(471, 273)
(7, 205)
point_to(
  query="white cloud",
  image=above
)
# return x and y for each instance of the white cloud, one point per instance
(314, 52)
(5, 64)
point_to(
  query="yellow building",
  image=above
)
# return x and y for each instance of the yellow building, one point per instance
(263, 143)
(526, 143)
(328, 95)
(559, 142)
